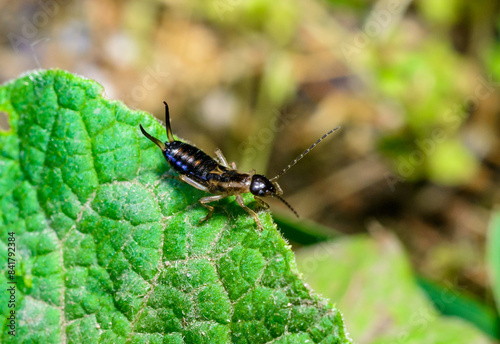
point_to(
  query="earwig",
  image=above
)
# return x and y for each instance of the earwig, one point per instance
(201, 171)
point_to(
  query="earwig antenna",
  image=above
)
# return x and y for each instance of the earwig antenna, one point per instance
(286, 203)
(154, 139)
(167, 123)
(300, 157)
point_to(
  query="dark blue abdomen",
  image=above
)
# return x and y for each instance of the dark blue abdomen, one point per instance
(190, 161)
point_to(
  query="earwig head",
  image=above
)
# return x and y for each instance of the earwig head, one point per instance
(261, 186)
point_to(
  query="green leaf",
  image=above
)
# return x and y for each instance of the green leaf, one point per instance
(493, 257)
(109, 245)
(373, 283)
(450, 301)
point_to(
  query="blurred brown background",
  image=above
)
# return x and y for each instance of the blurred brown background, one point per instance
(414, 85)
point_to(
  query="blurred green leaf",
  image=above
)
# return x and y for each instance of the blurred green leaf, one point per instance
(303, 232)
(451, 163)
(494, 255)
(441, 12)
(372, 281)
(451, 302)
(277, 19)
(433, 97)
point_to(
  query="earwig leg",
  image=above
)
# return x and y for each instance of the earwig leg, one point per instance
(221, 158)
(240, 201)
(203, 200)
(261, 202)
(233, 165)
(209, 199)
(193, 183)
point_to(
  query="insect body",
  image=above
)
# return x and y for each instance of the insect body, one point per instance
(203, 172)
